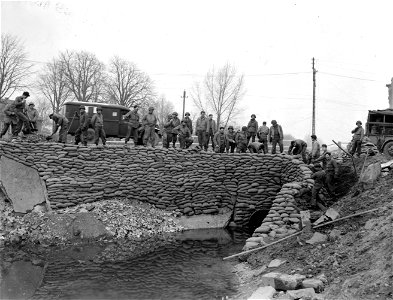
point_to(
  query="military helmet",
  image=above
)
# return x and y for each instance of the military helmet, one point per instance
(175, 113)
(31, 103)
(187, 114)
(99, 108)
(82, 107)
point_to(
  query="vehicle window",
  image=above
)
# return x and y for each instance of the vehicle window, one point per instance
(114, 114)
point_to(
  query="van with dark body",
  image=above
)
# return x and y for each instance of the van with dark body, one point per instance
(114, 123)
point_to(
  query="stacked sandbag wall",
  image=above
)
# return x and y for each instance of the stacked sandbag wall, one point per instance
(186, 181)
(284, 215)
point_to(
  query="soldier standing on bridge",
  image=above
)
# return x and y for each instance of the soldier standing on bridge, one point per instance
(201, 128)
(241, 140)
(133, 124)
(149, 123)
(252, 128)
(276, 135)
(81, 132)
(263, 133)
(98, 124)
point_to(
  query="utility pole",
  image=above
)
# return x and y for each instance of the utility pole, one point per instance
(184, 102)
(313, 95)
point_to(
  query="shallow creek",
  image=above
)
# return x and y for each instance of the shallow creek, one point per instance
(185, 265)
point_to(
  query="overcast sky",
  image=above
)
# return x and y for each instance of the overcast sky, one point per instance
(177, 42)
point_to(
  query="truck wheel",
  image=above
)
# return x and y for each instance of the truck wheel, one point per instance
(388, 149)
(90, 135)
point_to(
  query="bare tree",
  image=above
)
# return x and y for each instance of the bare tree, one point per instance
(52, 84)
(84, 75)
(14, 68)
(223, 90)
(126, 85)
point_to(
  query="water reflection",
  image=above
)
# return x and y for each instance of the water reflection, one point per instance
(190, 266)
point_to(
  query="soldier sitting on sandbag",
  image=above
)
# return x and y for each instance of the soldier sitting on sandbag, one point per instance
(242, 140)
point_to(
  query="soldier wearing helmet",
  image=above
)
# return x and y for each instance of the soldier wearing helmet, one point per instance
(175, 123)
(20, 108)
(32, 114)
(188, 121)
(81, 132)
(97, 121)
(166, 137)
(133, 124)
(231, 139)
(252, 128)
(276, 135)
(263, 133)
(358, 135)
(242, 140)
(149, 123)
(185, 138)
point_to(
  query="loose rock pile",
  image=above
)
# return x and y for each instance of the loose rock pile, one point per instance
(183, 181)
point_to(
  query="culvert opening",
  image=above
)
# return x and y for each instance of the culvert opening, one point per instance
(256, 219)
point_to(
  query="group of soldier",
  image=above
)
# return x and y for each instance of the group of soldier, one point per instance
(250, 138)
(19, 117)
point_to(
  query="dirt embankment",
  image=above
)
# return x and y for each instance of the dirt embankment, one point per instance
(357, 258)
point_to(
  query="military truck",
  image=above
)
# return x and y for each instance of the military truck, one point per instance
(379, 129)
(114, 123)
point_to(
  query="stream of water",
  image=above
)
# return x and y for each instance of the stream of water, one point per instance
(190, 266)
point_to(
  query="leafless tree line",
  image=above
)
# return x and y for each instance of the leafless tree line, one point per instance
(81, 76)
(73, 75)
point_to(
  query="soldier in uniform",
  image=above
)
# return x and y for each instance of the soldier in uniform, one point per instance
(10, 119)
(133, 124)
(62, 123)
(20, 105)
(188, 121)
(81, 132)
(149, 123)
(231, 139)
(298, 147)
(97, 121)
(185, 138)
(220, 141)
(242, 140)
(175, 123)
(167, 132)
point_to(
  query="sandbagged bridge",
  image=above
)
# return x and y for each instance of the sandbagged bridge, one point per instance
(190, 182)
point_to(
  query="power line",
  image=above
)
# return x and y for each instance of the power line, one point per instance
(345, 76)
